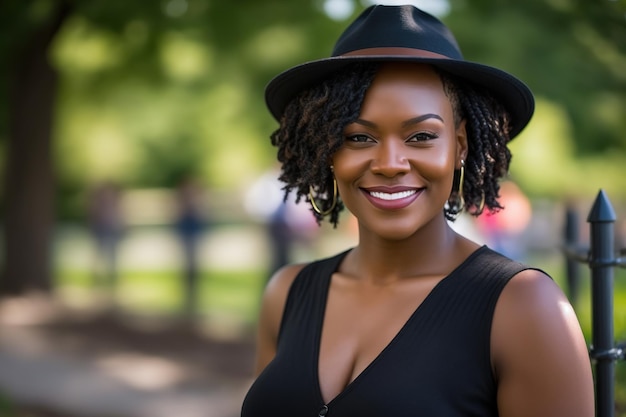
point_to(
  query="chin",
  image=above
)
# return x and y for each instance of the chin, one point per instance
(394, 230)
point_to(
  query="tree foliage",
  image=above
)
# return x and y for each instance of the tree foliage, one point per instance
(151, 92)
(571, 52)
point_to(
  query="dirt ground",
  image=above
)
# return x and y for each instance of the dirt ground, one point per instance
(147, 353)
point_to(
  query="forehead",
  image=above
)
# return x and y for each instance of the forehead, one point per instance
(406, 88)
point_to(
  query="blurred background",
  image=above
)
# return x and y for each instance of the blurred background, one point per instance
(140, 210)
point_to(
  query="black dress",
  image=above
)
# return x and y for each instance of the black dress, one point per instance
(437, 365)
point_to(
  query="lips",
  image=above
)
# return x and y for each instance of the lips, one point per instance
(391, 198)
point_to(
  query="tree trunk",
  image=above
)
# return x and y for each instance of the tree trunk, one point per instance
(30, 185)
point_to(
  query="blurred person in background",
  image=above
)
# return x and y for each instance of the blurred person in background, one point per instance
(106, 225)
(191, 222)
(287, 223)
(415, 320)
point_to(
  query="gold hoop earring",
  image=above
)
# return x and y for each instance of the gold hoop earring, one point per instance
(314, 204)
(456, 203)
(482, 204)
(461, 180)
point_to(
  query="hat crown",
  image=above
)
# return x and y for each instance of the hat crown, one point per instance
(402, 34)
(398, 27)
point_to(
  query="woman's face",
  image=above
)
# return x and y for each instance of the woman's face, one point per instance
(396, 167)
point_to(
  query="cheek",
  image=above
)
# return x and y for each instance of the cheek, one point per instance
(437, 166)
(348, 168)
(441, 174)
(349, 165)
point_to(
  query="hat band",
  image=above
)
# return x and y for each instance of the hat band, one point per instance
(395, 51)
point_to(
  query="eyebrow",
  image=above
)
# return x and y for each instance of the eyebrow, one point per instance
(418, 119)
(406, 123)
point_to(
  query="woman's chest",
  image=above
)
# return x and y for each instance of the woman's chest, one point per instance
(359, 323)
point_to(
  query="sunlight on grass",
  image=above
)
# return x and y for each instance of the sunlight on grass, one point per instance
(232, 293)
(157, 292)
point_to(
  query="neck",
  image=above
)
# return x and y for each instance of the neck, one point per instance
(433, 251)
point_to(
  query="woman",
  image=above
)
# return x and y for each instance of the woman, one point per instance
(415, 320)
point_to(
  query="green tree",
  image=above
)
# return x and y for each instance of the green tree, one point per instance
(137, 35)
(571, 52)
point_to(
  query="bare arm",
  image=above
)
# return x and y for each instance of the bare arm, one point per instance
(271, 314)
(539, 353)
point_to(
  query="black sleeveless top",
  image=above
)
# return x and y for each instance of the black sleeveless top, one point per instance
(438, 365)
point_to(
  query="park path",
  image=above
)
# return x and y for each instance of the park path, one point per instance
(64, 363)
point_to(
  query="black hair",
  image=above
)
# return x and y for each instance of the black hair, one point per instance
(312, 129)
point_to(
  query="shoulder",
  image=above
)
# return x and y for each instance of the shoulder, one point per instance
(539, 355)
(270, 317)
(281, 280)
(531, 304)
(532, 299)
(276, 292)
(278, 287)
(531, 286)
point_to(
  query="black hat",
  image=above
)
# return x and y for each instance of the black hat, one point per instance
(402, 33)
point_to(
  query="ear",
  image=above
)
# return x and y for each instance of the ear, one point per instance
(461, 144)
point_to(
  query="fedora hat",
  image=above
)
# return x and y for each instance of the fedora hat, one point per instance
(402, 33)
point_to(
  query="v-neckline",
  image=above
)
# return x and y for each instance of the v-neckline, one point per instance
(377, 358)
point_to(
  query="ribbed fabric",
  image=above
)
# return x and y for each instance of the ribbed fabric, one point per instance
(437, 365)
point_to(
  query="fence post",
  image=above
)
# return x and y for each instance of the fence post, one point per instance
(602, 260)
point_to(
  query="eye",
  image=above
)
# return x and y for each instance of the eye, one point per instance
(423, 137)
(359, 138)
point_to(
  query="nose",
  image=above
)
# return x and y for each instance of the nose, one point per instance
(390, 159)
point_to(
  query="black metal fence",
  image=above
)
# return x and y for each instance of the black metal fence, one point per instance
(602, 257)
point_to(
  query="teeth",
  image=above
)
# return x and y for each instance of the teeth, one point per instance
(392, 196)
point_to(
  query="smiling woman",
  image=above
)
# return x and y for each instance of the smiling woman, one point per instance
(415, 320)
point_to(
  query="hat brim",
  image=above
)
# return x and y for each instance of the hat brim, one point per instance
(514, 95)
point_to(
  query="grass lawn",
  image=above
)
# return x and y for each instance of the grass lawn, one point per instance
(235, 294)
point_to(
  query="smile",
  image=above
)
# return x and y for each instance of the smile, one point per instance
(392, 196)
(389, 199)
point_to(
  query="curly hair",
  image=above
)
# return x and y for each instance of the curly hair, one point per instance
(487, 126)
(312, 127)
